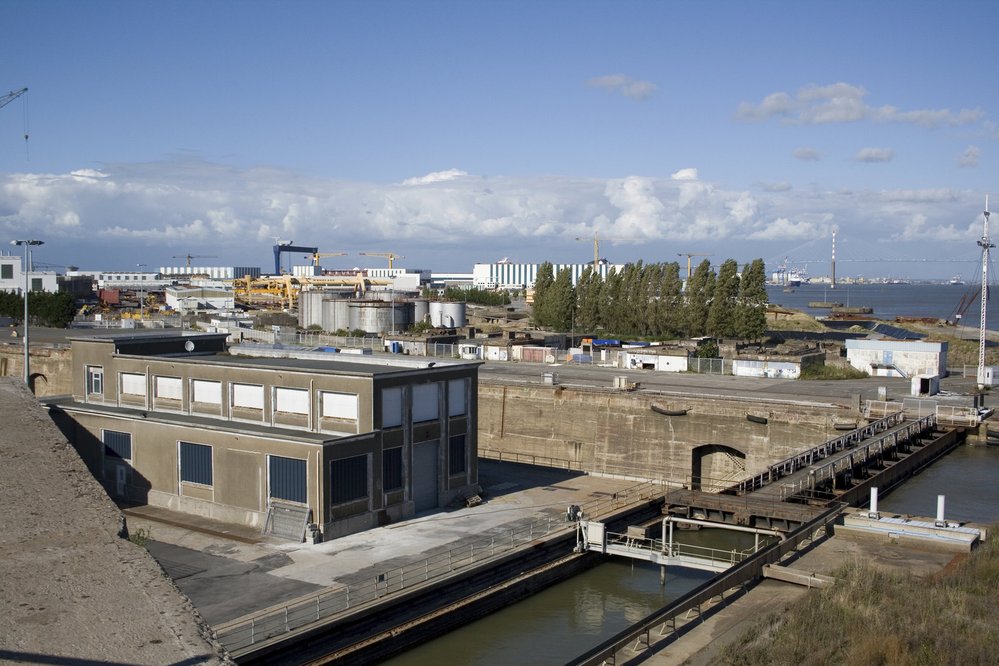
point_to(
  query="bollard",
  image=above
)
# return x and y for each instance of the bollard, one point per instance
(940, 522)
(873, 512)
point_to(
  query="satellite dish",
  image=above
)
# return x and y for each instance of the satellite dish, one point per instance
(189, 346)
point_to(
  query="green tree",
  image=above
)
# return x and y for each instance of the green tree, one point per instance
(562, 301)
(697, 299)
(542, 286)
(721, 315)
(589, 292)
(670, 311)
(750, 313)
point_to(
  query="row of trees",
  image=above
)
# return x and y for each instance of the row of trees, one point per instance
(649, 300)
(471, 295)
(44, 308)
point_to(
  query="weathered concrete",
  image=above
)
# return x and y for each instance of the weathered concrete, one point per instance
(51, 366)
(71, 585)
(616, 432)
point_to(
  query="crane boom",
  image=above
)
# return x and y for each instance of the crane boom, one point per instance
(11, 96)
(596, 245)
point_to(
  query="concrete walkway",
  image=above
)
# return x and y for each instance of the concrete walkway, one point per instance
(229, 571)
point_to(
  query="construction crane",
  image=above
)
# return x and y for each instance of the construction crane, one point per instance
(596, 245)
(391, 256)
(193, 256)
(316, 256)
(286, 247)
(689, 255)
(10, 97)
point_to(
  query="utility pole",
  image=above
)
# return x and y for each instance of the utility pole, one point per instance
(28, 244)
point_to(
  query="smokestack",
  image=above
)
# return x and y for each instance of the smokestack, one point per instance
(940, 522)
(873, 512)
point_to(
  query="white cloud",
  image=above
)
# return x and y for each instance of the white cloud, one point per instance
(970, 156)
(782, 186)
(875, 155)
(624, 85)
(845, 103)
(156, 211)
(807, 154)
(435, 177)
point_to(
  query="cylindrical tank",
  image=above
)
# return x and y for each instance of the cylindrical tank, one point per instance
(436, 313)
(378, 316)
(453, 315)
(336, 314)
(421, 310)
(310, 308)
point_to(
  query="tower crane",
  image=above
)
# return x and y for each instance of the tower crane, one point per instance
(316, 256)
(391, 256)
(193, 256)
(596, 245)
(10, 97)
(689, 255)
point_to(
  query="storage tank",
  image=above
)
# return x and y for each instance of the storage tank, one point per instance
(378, 316)
(453, 315)
(336, 314)
(421, 310)
(310, 309)
(436, 313)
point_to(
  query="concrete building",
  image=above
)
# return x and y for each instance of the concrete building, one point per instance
(191, 299)
(12, 276)
(343, 443)
(212, 272)
(898, 358)
(505, 275)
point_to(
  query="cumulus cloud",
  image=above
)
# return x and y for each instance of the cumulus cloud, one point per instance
(807, 154)
(157, 211)
(970, 156)
(845, 103)
(875, 155)
(435, 177)
(624, 85)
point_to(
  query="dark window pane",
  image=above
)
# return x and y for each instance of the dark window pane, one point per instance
(456, 455)
(350, 479)
(392, 469)
(118, 444)
(196, 463)
(288, 479)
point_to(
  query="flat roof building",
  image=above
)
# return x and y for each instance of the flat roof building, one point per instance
(181, 421)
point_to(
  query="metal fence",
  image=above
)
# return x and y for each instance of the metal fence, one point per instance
(347, 597)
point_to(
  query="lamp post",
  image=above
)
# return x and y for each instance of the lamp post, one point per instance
(142, 294)
(27, 260)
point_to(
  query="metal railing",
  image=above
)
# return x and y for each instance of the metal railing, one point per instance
(641, 546)
(347, 597)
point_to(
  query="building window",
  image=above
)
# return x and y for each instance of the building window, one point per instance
(95, 380)
(338, 405)
(248, 396)
(171, 388)
(133, 384)
(196, 463)
(288, 479)
(291, 401)
(350, 479)
(206, 392)
(117, 444)
(426, 402)
(36, 284)
(392, 407)
(456, 397)
(7, 271)
(456, 455)
(392, 469)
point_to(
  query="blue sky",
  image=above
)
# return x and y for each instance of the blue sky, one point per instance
(462, 132)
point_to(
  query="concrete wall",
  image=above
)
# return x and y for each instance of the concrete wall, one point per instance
(51, 367)
(616, 432)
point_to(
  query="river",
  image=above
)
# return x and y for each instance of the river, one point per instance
(567, 619)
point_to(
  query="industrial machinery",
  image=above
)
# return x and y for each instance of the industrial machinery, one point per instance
(391, 256)
(193, 256)
(10, 97)
(596, 245)
(285, 247)
(689, 255)
(316, 256)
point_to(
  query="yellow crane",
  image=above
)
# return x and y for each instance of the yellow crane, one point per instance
(193, 256)
(596, 245)
(391, 256)
(689, 255)
(316, 256)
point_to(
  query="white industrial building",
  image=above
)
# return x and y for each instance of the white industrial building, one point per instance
(191, 299)
(12, 276)
(898, 358)
(503, 275)
(213, 272)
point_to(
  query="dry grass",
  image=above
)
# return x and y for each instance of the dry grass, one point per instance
(877, 618)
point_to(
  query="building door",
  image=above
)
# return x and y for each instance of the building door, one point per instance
(121, 480)
(426, 461)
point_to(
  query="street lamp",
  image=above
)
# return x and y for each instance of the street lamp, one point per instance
(26, 267)
(142, 294)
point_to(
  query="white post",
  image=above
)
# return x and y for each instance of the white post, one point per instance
(873, 512)
(940, 522)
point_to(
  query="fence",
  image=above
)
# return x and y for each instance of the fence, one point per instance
(244, 632)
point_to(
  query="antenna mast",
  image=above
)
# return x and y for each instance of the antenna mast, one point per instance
(986, 244)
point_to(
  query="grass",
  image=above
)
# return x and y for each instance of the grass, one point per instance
(873, 617)
(832, 372)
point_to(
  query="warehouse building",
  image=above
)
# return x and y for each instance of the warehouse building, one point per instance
(180, 421)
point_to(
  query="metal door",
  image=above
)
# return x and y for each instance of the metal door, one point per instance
(425, 465)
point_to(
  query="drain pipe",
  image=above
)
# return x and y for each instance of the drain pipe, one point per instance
(873, 512)
(940, 522)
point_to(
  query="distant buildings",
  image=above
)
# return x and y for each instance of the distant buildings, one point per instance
(503, 275)
(12, 276)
